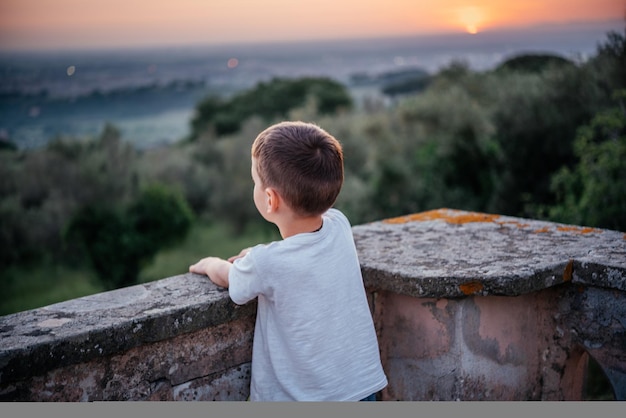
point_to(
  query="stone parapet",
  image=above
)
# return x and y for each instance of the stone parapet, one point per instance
(467, 306)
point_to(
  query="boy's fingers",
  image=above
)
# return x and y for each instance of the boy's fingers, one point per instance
(195, 268)
(241, 254)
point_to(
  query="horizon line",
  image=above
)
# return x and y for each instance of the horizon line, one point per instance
(608, 25)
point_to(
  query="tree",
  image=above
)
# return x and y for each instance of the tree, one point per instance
(119, 241)
(443, 154)
(537, 116)
(268, 100)
(593, 193)
(109, 244)
(610, 62)
(533, 63)
(160, 217)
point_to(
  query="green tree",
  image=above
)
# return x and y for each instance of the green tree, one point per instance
(536, 117)
(268, 100)
(593, 193)
(160, 218)
(533, 63)
(119, 241)
(109, 244)
(609, 64)
(439, 152)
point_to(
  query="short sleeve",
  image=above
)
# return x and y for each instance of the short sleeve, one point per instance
(244, 283)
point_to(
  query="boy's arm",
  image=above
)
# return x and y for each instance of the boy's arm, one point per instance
(216, 268)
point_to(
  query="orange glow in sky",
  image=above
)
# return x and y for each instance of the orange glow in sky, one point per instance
(46, 24)
(471, 18)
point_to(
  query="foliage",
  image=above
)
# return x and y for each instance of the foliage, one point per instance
(205, 238)
(179, 167)
(533, 63)
(610, 62)
(535, 123)
(456, 155)
(593, 193)
(404, 82)
(32, 286)
(119, 241)
(42, 188)
(160, 217)
(109, 243)
(7, 145)
(267, 100)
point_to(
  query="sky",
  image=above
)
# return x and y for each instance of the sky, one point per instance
(95, 24)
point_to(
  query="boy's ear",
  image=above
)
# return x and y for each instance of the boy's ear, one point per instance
(273, 199)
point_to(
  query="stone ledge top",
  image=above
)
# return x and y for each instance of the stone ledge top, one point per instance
(110, 322)
(453, 253)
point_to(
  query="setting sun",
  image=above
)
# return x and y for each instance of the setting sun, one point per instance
(471, 18)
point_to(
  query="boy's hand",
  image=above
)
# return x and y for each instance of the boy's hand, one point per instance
(214, 267)
(241, 254)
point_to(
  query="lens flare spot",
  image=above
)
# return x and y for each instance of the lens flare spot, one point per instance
(70, 70)
(232, 63)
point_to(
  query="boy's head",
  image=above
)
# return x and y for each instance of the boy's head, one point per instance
(303, 163)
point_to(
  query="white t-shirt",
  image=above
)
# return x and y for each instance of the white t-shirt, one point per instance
(314, 337)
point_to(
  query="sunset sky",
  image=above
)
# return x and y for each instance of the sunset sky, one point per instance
(70, 24)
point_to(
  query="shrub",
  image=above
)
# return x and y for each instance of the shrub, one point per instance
(118, 241)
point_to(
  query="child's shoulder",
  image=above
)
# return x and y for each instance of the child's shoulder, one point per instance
(338, 215)
(335, 213)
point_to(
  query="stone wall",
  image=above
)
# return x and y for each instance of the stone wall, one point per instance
(467, 306)
(179, 338)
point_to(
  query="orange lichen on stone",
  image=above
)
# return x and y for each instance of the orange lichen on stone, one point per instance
(415, 217)
(577, 229)
(515, 223)
(541, 230)
(446, 215)
(567, 273)
(471, 288)
(472, 217)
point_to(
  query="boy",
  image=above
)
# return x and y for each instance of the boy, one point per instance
(314, 338)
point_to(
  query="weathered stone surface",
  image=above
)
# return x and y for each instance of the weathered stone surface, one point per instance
(451, 253)
(153, 371)
(233, 385)
(77, 331)
(496, 348)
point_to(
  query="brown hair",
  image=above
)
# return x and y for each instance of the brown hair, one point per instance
(303, 162)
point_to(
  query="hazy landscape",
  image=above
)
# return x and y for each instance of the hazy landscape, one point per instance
(150, 94)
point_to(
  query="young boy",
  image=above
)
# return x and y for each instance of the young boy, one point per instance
(314, 338)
